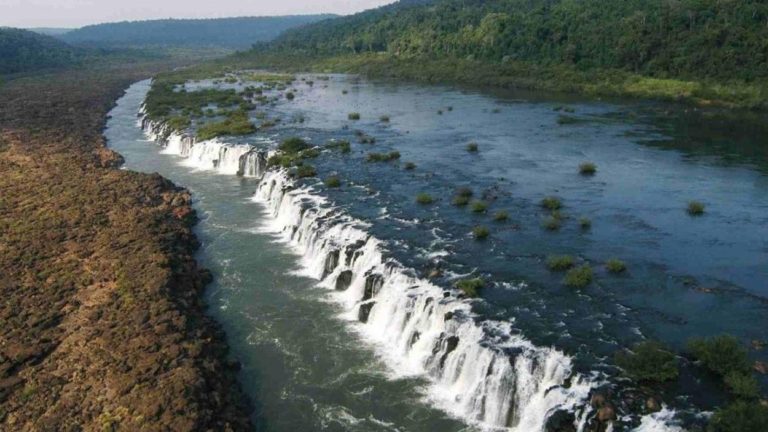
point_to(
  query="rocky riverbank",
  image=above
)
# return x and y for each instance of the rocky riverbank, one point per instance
(102, 326)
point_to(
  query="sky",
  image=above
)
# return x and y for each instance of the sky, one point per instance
(77, 13)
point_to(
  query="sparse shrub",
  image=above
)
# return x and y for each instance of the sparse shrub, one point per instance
(480, 232)
(743, 385)
(551, 203)
(648, 361)
(472, 147)
(424, 198)
(578, 277)
(310, 153)
(293, 145)
(382, 157)
(290, 96)
(470, 287)
(479, 206)
(560, 262)
(614, 265)
(501, 216)
(353, 116)
(409, 166)
(384, 119)
(394, 155)
(304, 171)
(695, 208)
(585, 223)
(720, 354)
(739, 416)
(342, 145)
(552, 223)
(587, 168)
(333, 181)
(460, 200)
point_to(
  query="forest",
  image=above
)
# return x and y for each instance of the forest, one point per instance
(24, 51)
(690, 39)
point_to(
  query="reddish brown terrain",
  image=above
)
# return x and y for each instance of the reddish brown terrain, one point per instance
(102, 326)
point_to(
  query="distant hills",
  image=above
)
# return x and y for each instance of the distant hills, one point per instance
(234, 33)
(24, 51)
(659, 38)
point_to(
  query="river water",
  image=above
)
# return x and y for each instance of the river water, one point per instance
(420, 357)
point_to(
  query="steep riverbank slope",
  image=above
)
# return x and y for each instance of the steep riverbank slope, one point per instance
(101, 325)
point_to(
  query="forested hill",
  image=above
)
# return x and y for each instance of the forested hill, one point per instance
(224, 32)
(23, 51)
(721, 39)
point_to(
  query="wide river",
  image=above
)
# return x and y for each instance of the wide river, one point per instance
(309, 363)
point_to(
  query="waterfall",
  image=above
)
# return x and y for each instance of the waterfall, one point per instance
(479, 371)
(224, 158)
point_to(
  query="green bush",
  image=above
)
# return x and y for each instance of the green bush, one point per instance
(293, 145)
(333, 181)
(720, 354)
(304, 171)
(472, 147)
(578, 277)
(648, 361)
(585, 223)
(501, 216)
(460, 201)
(614, 265)
(739, 416)
(424, 198)
(409, 166)
(560, 262)
(479, 206)
(382, 157)
(551, 203)
(236, 123)
(743, 385)
(470, 287)
(695, 208)
(353, 116)
(587, 168)
(480, 232)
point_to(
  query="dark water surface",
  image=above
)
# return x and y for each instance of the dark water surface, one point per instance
(687, 276)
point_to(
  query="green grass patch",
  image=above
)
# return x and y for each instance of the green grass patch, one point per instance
(501, 216)
(648, 361)
(585, 223)
(304, 171)
(614, 265)
(480, 232)
(695, 208)
(333, 181)
(293, 145)
(383, 157)
(560, 262)
(236, 123)
(552, 223)
(470, 287)
(479, 206)
(587, 168)
(551, 203)
(578, 277)
(409, 166)
(353, 116)
(342, 145)
(460, 201)
(424, 198)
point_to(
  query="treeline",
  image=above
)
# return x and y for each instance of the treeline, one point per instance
(23, 51)
(223, 32)
(720, 39)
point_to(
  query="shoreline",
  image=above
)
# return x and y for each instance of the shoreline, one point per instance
(104, 324)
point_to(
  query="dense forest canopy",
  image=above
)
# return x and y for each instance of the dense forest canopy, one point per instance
(720, 39)
(223, 32)
(23, 51)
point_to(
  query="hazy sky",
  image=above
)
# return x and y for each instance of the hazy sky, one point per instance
(76, 13)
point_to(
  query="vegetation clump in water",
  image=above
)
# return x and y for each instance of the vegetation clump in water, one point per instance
(383, 157)
(424, 198)
(470, 287)
(479, 206)
(353, 116)
(501, 216)
(551, 203)
(587, 169)
(695, 208)
(472, 147)
(648, 361)
(578, 277)
(480, 232)
(333, 181)
(614, 265)
(409, 166)
(560, 262)
(236, 123)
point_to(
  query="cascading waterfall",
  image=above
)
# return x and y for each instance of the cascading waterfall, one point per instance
(224, 158)
(480, 371)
